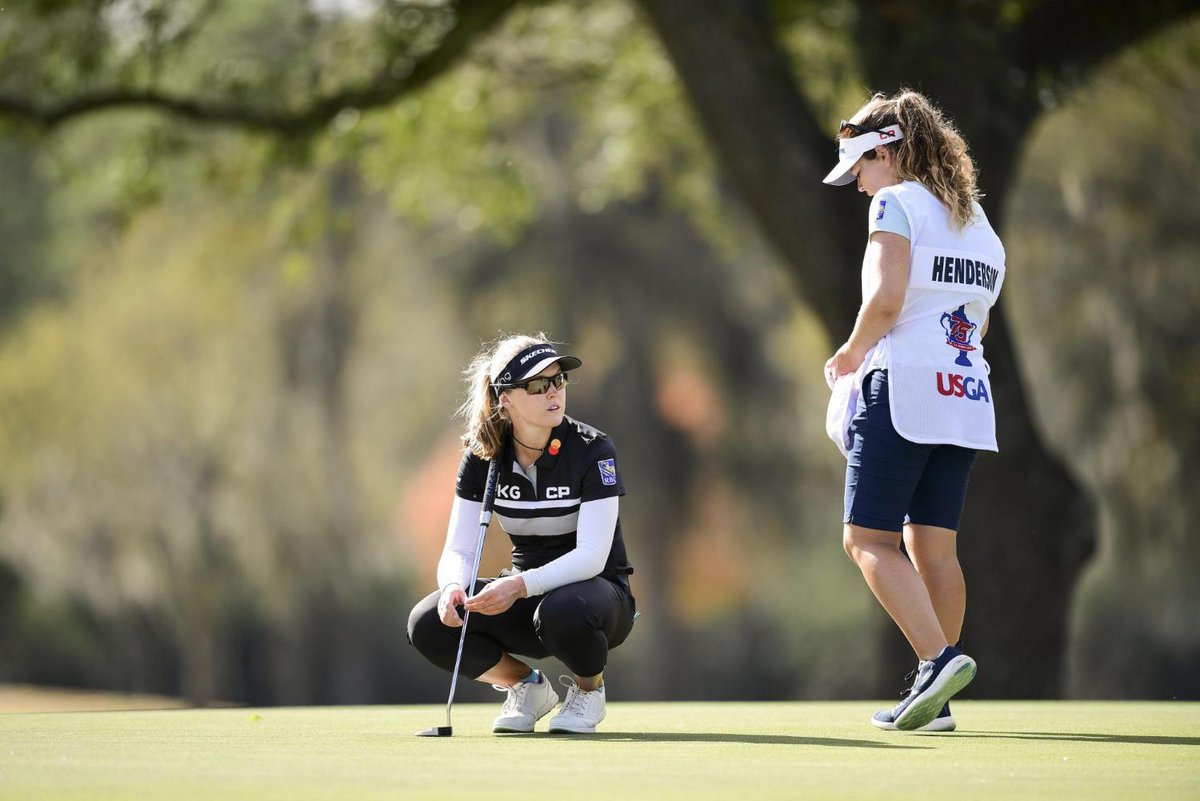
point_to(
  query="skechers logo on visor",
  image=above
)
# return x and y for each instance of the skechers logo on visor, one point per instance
(537, 352)
(513, 371)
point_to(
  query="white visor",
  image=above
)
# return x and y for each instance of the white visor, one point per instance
(850, 150)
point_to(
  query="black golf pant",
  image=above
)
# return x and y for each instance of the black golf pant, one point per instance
(577, 624)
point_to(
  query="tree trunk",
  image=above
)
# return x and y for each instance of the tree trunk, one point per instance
(1028, 527)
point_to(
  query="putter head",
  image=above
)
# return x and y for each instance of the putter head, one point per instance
(437, 731)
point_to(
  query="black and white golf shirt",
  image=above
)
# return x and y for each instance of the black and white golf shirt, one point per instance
(563, 508)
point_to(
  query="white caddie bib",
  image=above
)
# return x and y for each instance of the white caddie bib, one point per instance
(937, 376)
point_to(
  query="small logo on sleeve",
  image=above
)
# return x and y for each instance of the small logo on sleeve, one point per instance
(882, 209)
(608, 471)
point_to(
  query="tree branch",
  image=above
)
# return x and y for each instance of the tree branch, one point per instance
(476, 17)
(1064, 39)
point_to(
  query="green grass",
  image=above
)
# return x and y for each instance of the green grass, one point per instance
(725, 751)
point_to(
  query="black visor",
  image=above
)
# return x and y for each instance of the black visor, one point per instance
(530, 362)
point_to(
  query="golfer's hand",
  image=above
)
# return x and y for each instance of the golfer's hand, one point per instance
(846, 360)
(498, 596)
(453, 596)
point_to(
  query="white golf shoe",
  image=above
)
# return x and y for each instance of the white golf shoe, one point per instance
(526, 704)
(581, 711)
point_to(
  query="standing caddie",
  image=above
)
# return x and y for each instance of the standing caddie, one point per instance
(912, 403)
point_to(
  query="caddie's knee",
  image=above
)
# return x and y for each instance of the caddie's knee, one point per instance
(863, 544)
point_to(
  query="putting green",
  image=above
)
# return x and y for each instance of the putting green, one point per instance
(694, 751)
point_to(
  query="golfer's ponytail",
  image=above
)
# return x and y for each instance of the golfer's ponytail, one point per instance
(931, 152)
(487, 422)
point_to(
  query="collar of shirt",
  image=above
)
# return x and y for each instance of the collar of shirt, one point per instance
(546, 460)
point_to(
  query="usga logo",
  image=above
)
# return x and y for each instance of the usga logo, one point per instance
(958, 386)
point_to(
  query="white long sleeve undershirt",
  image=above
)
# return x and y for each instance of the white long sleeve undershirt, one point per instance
(458, 555)
(595, 529)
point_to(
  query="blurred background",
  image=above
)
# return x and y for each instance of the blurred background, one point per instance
(246, 249)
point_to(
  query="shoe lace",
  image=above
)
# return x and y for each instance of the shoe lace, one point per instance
(578, 700)
(910, 680)
(516, 696)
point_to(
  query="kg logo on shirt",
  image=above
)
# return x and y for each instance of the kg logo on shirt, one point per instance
(608, 471)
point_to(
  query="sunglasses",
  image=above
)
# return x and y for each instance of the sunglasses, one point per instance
(539, 386)
(853, 128)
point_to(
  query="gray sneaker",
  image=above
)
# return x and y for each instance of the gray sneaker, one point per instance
(937, 682)
(885, 719)
(526, 704)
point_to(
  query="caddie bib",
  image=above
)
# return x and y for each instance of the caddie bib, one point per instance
(937, 375)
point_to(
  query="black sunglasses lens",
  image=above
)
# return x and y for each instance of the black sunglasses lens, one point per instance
(539, 386)
(853, 129)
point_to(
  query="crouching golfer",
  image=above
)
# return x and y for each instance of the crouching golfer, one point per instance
(567, 594)
(932, 271)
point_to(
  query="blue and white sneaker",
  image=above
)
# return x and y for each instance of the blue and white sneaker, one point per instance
(885, 719)
(938, 680)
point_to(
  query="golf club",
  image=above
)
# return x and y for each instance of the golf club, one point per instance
(485, 517)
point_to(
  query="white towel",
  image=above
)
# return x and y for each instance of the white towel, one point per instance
(843, 404)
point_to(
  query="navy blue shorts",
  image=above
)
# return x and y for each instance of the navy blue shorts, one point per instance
(890, 480)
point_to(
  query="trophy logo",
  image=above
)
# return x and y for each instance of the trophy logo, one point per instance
(958, 333)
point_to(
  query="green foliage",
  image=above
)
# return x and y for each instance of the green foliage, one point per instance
(447, 158)
(210, 48)
(819, 37)
(184, 432)
(469, 153)
(28, 271)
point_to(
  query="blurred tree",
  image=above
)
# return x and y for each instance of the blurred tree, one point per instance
(1106, 316)
(26, 266)
(186, 485)
(993, 66)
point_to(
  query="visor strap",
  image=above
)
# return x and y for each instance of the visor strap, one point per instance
(855, 146)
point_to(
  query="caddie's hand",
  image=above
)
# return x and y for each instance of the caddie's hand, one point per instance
(498, 596)
(452, 597)
(846, 360)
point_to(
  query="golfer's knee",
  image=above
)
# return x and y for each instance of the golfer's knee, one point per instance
(424, 627)
(559, 615)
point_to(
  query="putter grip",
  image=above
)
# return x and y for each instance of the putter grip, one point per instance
(489, 489)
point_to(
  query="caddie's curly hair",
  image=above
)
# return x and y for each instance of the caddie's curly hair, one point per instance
(932, 151)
